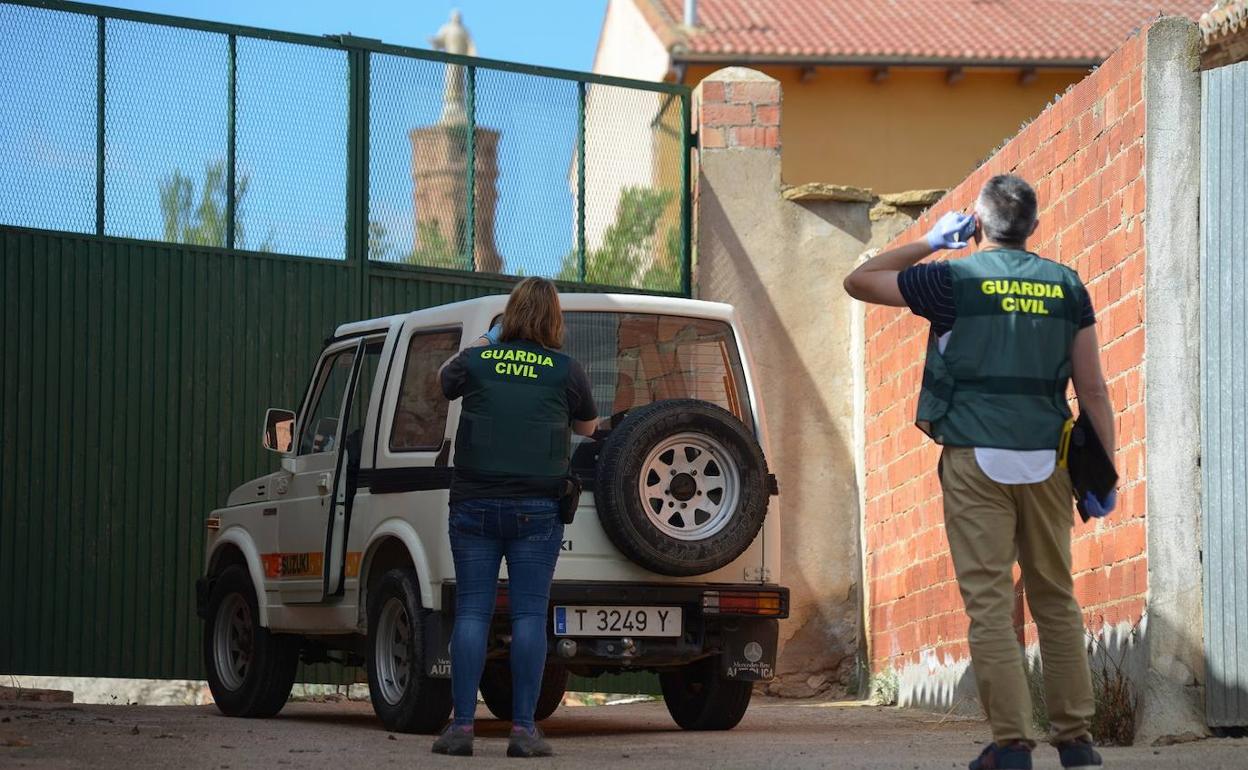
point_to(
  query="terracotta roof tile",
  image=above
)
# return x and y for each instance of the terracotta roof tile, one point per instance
(891, 30)
(1224, 19)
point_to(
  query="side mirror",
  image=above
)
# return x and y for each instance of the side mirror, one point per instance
(279, 430)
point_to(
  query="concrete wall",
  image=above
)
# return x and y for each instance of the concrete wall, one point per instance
(1174, 699)
(912, 130)
(781, 263)
(1114, 164)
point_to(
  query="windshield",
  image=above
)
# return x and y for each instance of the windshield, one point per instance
(634, 359)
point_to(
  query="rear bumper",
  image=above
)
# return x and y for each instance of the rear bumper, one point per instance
(744, 642)
(690, 596)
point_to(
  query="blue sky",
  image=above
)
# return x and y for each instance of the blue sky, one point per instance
(552, 33)
(166, 109)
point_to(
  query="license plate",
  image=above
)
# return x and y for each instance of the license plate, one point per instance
(618, 621)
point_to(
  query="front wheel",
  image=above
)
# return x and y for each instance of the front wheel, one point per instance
(496, 690)
(698, 698)
(406, 700)
(250, 670)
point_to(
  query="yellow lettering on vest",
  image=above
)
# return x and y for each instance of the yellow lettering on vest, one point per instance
(516, 370)
(1056, 292)
(1028, 289)
(987, 288)
(1009, 305)
(547, 361)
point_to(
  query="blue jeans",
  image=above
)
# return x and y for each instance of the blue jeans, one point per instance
(528, 533)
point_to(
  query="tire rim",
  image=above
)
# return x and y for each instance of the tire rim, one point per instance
(233, 641)
(689, 486)
(392, 645)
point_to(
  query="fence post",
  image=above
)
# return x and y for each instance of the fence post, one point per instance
(580, 181)
(99, 125)
(470, 225)
(357, 169)
(686, 191)
(231, 159)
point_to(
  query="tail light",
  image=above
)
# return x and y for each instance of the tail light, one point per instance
(742, 603)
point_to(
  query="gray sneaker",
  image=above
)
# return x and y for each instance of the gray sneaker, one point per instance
(454, 741)
(528, 743)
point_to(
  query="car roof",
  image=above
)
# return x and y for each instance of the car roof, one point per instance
(571, 302)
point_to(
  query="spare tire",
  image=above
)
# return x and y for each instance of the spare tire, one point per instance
(681, 487)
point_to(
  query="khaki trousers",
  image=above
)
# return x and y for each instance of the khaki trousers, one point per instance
(990, 526)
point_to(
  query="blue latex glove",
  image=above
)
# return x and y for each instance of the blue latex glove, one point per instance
(1097, 508)
(953, 231)
(494, 334)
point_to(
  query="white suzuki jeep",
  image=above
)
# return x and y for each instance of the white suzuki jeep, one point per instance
(671, 564)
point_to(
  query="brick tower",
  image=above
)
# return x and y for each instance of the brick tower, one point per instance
(440, 170)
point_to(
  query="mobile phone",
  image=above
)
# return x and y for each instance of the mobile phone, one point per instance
(968, 230)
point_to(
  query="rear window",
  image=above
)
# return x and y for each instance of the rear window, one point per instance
(634, 359)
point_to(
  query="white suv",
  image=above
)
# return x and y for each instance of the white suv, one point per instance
(671, 564)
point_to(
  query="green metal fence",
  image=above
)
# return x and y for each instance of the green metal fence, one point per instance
(187, 209)
(129, 124)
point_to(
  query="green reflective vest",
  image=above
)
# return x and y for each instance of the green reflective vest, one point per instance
(514, 420)
(1001, 380)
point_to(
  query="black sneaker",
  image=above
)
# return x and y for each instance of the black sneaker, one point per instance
(528, 743)
(1079, 755)
(1014, 756)
(454, 741)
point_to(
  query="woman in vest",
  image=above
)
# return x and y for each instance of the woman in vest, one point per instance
(522, 400)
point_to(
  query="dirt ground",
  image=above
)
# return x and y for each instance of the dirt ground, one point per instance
(778, 734)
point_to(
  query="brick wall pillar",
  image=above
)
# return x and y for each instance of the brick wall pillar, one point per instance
(740, 108)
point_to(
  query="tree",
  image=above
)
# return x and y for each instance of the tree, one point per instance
(203, 222)
(379, 244)
(432, 249)
(630, 245)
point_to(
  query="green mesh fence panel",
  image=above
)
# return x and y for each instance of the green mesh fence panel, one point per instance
(47, 119)
(127, 124)
(166, 102)
(633, 188)
(532, 122)
(291, 181)
(417, 170)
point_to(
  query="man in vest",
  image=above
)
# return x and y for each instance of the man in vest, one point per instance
(1009, 330)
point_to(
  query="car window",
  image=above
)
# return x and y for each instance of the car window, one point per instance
(634, 359)
(420, 413)
(357, 413)
(319, 432)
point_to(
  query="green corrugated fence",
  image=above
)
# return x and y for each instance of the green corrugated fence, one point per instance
(188, 209)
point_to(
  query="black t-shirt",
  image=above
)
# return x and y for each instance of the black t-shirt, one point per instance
(468, 485)
(928, 291)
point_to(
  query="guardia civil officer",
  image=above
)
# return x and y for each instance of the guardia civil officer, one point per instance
(1009, 329)
(522, 400)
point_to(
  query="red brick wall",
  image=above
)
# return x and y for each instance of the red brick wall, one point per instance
(1085, 156)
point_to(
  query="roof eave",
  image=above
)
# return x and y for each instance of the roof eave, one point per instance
(685, 57)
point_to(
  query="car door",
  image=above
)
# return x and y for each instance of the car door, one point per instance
(346, 477)
(305, 508)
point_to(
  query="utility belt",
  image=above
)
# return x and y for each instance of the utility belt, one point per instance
(570, 497)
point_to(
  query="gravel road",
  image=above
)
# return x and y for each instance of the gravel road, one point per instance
(778, 734)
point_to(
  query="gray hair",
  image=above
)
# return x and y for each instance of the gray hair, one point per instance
(1006, 209)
